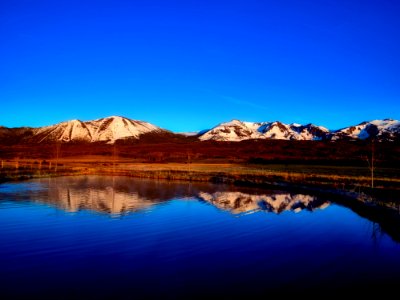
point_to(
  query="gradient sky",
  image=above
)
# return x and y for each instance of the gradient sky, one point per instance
(188, 65)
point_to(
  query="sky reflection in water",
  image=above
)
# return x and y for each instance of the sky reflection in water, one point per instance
(98, 237)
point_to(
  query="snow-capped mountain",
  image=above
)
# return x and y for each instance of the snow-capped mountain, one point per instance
(115, 128)
(234, 130)
(107, 130)
(238, 131)
(386, 129)
(278, 130)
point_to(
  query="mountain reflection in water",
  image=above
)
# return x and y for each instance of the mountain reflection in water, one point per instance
(98, 237)
(277, 202)
(122, 195)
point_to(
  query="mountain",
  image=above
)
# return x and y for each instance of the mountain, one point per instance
(106, 130)
(111, 129)
(238, 131)
(235, 130)
(14, 135)
(386, 129)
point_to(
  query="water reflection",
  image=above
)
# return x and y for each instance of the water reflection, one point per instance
(122, 195)
(114, 195)
(276, 202)
(190, 245)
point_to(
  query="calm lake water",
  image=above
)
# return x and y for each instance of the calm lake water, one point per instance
(97, 237)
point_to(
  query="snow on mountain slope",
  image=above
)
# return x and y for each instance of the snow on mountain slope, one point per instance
(236, 130)
(114, 128)
(74, 130)
(386, 129)
(107, 130)
(310, 131)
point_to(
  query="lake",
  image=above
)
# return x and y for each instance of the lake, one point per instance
(102, 237)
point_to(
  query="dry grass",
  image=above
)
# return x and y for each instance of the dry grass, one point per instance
(339, 177)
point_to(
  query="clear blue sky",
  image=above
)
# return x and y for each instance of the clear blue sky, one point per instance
(188, 65)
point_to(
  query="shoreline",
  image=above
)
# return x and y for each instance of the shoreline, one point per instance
(351, 187)
(381, 205)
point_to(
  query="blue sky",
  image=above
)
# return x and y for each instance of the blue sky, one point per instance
(188, 65)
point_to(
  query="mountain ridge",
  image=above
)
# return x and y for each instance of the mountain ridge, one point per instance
(113, 128)
(236, 130)
(108, 130)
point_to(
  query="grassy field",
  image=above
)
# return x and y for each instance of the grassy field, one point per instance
(337, 167)
(339, 177)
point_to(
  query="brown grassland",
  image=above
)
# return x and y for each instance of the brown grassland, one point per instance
(344, 167)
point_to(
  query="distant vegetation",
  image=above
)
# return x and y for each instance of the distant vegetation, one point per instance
(182, 149)
(341, 165)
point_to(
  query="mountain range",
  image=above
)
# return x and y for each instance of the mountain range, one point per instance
(111, 129)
